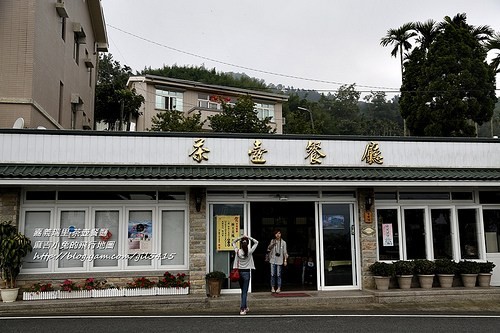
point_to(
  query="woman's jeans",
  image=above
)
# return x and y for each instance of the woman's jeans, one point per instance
(244, 283)
(276, 273)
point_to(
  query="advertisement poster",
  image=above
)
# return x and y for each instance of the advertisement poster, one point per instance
(139, 236)
(387, 235)
(335, 222)
(228, 229)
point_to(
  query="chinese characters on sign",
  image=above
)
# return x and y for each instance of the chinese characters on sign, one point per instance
(199, 152)
(372, 154)
(314, 152)
(387, 236)
(228, 229)
(257, 152)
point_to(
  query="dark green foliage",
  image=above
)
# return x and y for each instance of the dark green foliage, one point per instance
(486, 267)
(425, 267)
(215, 275)
(445, 266)
(112, 93)
(14, 246)
(379, 268)
(240, 118)
(468, 267)
(174, 121)
(404, 267)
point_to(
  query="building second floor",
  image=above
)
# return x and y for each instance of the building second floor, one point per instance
(162, 94)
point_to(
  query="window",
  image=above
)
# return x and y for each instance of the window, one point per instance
(76, 48)
(441, 233)
(468, 233)
(264, 110)
(388, 234)
(414, 231)
(204, 101)
(169, 100)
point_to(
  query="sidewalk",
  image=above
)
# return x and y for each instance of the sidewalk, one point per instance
(394, 300)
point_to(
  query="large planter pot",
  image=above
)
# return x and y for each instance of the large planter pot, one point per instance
(34, 296)
(469, 280)
(404, 281)
(9, 295)
(425, 281)
(446, 280)
(382, 282)
(214, 287)
(484, 279)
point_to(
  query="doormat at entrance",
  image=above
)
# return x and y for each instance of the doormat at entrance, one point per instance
(290, 295)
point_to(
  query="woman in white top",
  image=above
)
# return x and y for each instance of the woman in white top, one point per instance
(278, 257)
(244, 262)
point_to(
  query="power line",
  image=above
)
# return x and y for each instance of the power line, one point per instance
(243, 67)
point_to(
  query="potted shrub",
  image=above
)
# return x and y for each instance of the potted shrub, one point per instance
(425, 270)
(214, 282)
(382, 273)
(469, 271)
(140, 287)
(445, 270)
(485, 270)
(14, 246)
(171, 284)
(404, 272)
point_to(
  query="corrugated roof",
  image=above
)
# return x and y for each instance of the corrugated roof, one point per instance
(204, 172)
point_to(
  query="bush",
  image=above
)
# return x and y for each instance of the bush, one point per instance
(445, 266)
(216, 275)
(69, 285)
(486, 267)
(381, 269)
(141, 282)
(404, 267)
(425, 267)
(468, 267)
(170, 280)
(39, 287)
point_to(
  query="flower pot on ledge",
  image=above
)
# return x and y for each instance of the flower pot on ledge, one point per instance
(9, 294)
(446, 280)
(404, 281)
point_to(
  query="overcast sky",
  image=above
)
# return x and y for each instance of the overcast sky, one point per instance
(315, 44)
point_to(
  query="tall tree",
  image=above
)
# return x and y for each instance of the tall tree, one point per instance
(449, 88)
(494, 45)
(174, 121)
(240, 118)
(400, 39)
(115, 103)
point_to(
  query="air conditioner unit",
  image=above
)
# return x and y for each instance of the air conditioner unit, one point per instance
(78, 30)
(88, 63)
(75, 99)
(61, 11)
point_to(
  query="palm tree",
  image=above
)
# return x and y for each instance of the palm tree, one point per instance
(400, 39)
(427, 32)
(494, 44)
(482, 33)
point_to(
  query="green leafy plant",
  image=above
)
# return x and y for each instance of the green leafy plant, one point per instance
(468, 267)
(141, 282)
(445, 266)
(379, 268)
(404, 267)
(14, 246)
(216, 275)
(92, 283)
(69, 285)
(40, 287)
(425, 267)
(170, 280)
(486, 267)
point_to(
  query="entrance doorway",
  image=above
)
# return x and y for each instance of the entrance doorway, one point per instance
(296, 220)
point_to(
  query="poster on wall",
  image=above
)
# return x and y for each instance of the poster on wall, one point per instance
(228, 229)
(139, 236)
(387, 236)
(333, 222)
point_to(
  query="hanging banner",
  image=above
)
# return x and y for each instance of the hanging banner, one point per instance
(228, 229)
(387, 236)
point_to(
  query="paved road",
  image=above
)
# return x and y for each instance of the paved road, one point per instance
(351, 322)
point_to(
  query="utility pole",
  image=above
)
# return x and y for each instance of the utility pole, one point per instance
(310, 114)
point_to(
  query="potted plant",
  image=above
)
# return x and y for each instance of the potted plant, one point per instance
(485, 271)
(382, 273)
(14, 246)
(425, 270)
(39, 291)
(171, 284)
(469, 271)
(142, 286)
(214, 282)
(445, 270)
(404, 270)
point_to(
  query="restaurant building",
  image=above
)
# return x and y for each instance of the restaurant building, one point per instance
(124, 205)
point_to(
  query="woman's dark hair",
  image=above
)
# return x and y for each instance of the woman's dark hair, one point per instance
(276, 231)
(244, 245)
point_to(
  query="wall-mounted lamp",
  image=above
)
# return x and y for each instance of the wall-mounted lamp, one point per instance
(198, 198)
(282, 197)
(368, 203)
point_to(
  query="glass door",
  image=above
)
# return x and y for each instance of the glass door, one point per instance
(337, 241)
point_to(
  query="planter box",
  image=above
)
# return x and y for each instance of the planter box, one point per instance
(112, 292)
(171, 291)
(139, 291)
(33, 296)
(74, 294)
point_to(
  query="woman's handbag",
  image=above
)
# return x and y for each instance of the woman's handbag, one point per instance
(234, 275)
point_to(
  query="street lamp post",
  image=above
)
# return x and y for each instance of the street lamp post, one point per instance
(310, 114)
